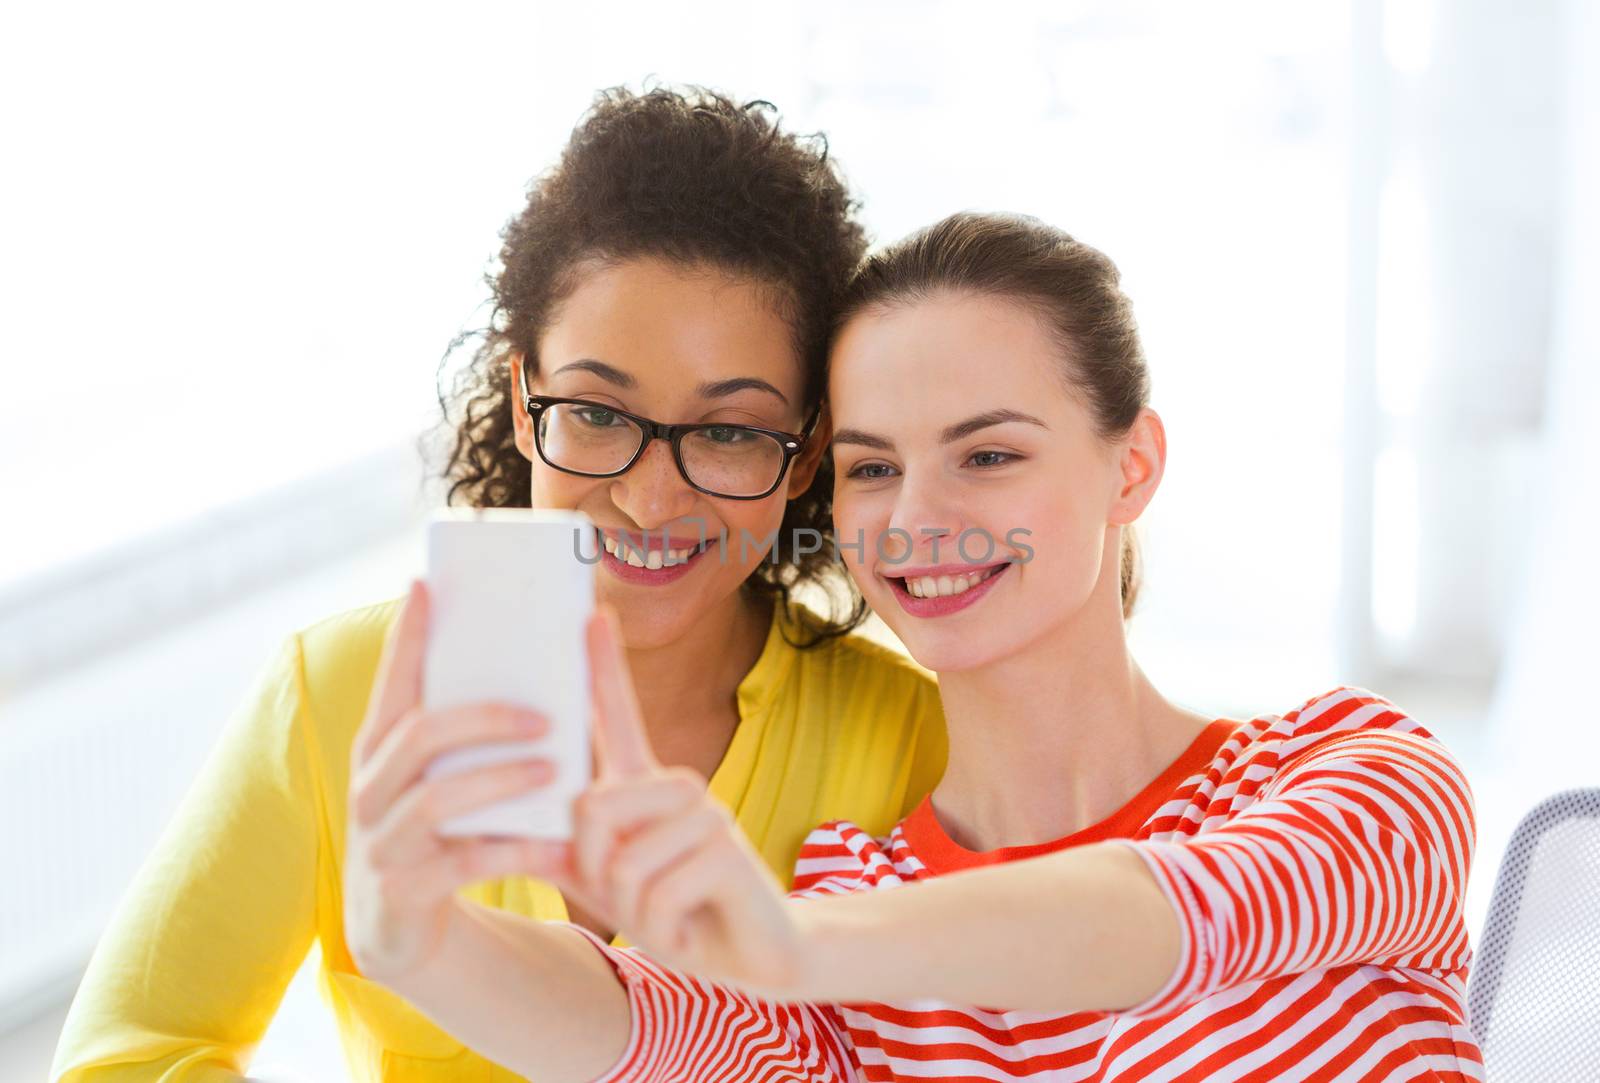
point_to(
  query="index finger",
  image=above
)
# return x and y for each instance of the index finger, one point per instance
(619, 726)
(398, 685)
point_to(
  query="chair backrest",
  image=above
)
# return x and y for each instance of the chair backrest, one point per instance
(1534, 993)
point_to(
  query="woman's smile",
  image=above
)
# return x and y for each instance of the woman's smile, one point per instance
(649, 558)
(949, 588)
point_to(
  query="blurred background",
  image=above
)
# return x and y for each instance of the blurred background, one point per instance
(237, 241)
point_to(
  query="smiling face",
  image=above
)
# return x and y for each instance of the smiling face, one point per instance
(954, 429)
(678, 345)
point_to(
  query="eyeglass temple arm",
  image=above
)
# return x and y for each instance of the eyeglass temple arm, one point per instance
(527, 392)
(816, 418)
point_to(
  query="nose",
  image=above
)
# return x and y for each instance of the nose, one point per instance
(653, 492)
(927, 511)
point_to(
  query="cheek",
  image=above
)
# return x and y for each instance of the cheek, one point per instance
(859, 517)
(750, 525)
(552, 488)
(1068, 535)
(753, 515)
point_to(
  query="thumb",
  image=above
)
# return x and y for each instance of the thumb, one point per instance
(624, 747)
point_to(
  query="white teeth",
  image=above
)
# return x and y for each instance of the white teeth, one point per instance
(630, 554)
(928, 586)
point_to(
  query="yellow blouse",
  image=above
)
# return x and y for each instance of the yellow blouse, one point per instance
(194, 962)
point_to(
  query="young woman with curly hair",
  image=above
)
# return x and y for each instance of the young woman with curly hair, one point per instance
(680, 263)
(1103, 887)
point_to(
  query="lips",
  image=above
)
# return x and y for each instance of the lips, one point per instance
(940, 605)
(945, 579)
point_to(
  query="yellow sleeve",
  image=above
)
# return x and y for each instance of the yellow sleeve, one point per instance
(197, 956)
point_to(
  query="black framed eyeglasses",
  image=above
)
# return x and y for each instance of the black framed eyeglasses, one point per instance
(595, 440)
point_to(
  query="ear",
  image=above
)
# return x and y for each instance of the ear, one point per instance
(1141, 457)
(520, 421)
(803, 471)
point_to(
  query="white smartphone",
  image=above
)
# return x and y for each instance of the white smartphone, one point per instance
(510, 592)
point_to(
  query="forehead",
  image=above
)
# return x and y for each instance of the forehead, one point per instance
(667, 323)
(944, 353)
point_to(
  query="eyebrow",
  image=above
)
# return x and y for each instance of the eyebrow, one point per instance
(948, 436)
(719, 388)
(609, 373)
(715, 389)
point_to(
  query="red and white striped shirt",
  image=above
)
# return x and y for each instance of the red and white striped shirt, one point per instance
(1318, 861)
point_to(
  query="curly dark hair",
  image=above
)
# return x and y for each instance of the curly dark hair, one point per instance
(689, 175)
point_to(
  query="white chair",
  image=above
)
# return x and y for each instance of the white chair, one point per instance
(1534, 993)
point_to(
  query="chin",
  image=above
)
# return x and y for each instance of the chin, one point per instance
(646, 623)
(950, 649)
(940, 651)
(948, 654)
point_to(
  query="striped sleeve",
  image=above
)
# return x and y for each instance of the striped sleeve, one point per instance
(688, 1030)
(1356, 853)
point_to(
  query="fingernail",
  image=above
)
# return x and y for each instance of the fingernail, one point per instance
(532, 723)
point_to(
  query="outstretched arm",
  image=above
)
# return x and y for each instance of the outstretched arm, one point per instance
(535, 997)
(1086, 929)
(1356, 851)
